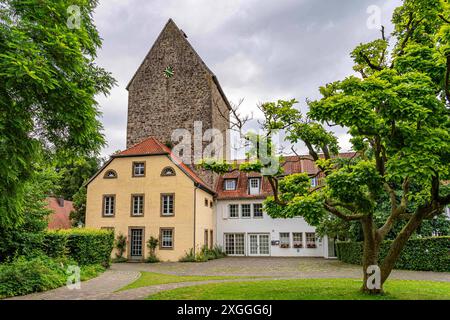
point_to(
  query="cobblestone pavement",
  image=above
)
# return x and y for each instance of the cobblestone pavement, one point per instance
(106, 285)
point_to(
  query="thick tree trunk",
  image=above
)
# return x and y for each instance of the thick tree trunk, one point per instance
(398, 244)
(370, 254)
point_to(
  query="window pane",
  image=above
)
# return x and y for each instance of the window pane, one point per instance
(254, 186)
(108, 209)
(297, 239)
(230, 184)
(167, 238)
(233, 211)
(167, 204)
(310, 240)
(257, 210)
(139, 169)
(138, 205)
(284, 240)
(246, 211)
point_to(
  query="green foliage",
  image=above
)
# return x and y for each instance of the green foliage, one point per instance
(82, 245)
(120, 243)
(47, 97)
(55, 244)
(203, 255)
(152, 244)
(27, 275)
(78, 215)
(26, 238)
(427, 254)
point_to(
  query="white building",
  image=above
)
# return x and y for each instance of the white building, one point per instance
(243, 229)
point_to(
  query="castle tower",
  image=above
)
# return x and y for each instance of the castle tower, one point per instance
(172, 89)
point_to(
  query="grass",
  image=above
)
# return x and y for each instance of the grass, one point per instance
(307, 289)
(151, 278)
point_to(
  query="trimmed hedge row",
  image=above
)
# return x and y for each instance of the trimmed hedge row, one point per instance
(82, 245)
(426, 254)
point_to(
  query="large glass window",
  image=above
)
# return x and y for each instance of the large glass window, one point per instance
(257, 210)
(138, 169)
(234, 244)
(233, 211)
(166, 238)
(229, 184)
(137, 205)
(284, 240)
(167, 204)
(109, 205)
(310, 240)
(297, 239)
(246, 210)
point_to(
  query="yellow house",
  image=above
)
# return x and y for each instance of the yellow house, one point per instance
(145, 191)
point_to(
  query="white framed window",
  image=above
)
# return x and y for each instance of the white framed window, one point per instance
(233, 210)
(314, 182)
(109, 205)
(230, 184)
(246, 210)
(257, 210)
(167, 204)
(234, 244)
(138, 169)
(285, 241)
(254, 186)
(167, 238)
(137, 205)
(297, 239)
(310, 240)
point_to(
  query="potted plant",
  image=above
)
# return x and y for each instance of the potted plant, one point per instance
(284, 245)
(298, 245)
(311, 245)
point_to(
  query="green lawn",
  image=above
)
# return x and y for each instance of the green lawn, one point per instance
(307, 289)
(150, 279)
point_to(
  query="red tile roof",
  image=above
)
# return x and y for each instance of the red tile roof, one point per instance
(59, 219)
(291, 164)
(151, 146)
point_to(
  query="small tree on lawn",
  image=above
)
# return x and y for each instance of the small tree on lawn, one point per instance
(397, 112)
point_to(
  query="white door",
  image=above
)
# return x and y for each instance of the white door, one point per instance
(258, 245)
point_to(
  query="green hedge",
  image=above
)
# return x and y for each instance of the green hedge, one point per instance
(82, 245)
(426, 254)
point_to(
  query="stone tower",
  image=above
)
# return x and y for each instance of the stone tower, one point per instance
(172, 89)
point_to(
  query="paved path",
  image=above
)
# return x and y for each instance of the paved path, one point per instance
(106, 285)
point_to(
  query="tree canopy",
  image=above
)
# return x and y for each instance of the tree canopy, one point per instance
(49, 82)
(396, 109)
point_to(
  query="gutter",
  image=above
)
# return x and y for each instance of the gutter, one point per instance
(195, 214)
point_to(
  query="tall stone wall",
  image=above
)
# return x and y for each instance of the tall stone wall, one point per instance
(158, 105)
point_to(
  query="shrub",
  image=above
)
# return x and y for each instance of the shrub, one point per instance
(152, 243)
(203, 255)
(426, 254)
(90, 246)
(188, 256)
(120, 244)
(55, 244)
(82, 245)
(26, 275)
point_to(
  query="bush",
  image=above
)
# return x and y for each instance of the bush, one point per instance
(82, 245)
(27, 275)
(426, 254)
(55, 244)
(152, 243)
(120, 244)
(204, 255)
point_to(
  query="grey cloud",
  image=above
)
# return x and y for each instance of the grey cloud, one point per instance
(260, 50)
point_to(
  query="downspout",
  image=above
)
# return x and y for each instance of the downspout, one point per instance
(195, 214)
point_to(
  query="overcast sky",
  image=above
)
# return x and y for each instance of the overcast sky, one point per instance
(260, 50)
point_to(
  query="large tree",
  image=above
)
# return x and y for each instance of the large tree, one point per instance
(397, 112)
(48, 84)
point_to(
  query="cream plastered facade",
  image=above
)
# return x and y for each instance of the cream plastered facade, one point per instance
(192, 217)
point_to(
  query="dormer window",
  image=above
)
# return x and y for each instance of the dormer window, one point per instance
(110, 174)
(229, 184)
(254, 186)
(138, 169)
(168, 172)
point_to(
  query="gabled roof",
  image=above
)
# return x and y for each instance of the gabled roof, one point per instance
(183, 36)
(152, 147)
(291, 164)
